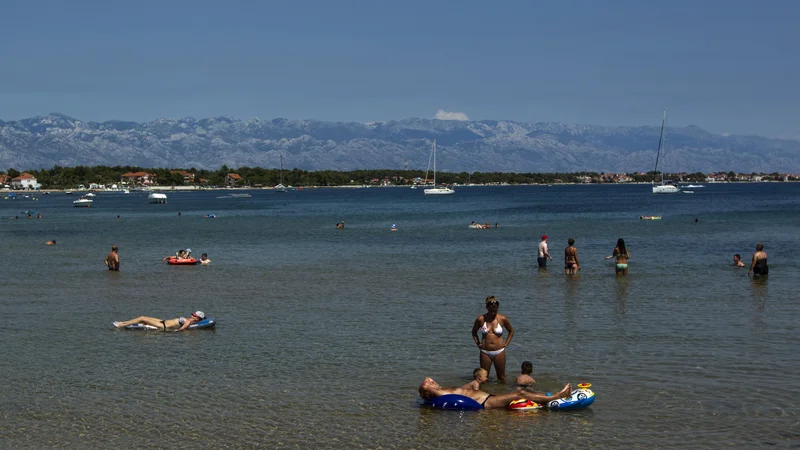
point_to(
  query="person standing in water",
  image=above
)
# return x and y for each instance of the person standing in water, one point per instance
(759, 264)
(571, 264)
(112, 259)
(621, 255)
(543, 255)
(487, 333)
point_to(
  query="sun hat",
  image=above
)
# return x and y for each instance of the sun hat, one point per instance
(199, 314)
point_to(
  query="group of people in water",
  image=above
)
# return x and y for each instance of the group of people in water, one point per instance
(620, 255)
(758, 265)
(186, 255)
(112, 259)
(487, 334)
(483, 225)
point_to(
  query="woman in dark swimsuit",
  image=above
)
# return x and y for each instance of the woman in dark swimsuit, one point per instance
(759, 264)
(178, 324)
(571, 264)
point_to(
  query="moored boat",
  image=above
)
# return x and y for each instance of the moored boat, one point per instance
(157, 197)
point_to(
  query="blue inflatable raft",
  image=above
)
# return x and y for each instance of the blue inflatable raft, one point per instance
(579, 399)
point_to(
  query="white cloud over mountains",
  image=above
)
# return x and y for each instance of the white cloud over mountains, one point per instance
(447, 115)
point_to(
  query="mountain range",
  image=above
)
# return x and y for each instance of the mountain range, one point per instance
(470, 146)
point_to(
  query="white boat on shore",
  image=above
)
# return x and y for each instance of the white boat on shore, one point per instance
(157, 197)
(83, 203)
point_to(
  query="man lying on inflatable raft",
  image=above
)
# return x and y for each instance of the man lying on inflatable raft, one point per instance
(461, 398)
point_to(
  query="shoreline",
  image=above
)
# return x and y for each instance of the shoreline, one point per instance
(364, 186)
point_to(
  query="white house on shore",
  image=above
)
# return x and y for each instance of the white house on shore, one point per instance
(25, 181)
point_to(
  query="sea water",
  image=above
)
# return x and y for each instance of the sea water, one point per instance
(323, 334)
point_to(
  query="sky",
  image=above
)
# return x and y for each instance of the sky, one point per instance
(728, 66)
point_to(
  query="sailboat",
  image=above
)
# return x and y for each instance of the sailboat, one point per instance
(444, 190)
(663, 187)
(280, 187)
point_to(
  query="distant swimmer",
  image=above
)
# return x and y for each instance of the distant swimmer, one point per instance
(737, 261)
(394, 228)
(112, 259)
(204, 259)
(340, 225)
(759, 264)
(53, 242)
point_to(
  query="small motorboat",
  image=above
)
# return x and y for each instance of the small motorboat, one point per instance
(157, 197)
(83, 203)
(175, 261)
(650, 217)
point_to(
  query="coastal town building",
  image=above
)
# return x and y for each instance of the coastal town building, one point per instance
(233, 179)
(143, 178)
(24, 181)
(188, 177)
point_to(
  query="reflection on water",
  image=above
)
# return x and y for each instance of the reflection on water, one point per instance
(759, 286)
(622, 294)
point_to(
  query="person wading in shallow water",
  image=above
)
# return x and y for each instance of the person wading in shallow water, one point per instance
(759, 264)
(571, 263)
(112, 259)
(487, 333)
(543, 255)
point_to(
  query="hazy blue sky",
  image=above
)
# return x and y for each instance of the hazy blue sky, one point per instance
(727, 66)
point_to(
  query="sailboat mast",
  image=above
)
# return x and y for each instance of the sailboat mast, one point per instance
(281, 182)
(660, 144)
(663, 141)
(434, 163)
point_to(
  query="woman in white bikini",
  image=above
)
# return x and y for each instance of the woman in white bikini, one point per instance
(487, 332)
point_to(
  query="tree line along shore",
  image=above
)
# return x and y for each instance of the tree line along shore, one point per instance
(105, 176)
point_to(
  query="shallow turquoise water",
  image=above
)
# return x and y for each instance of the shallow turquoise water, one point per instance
(324, 334)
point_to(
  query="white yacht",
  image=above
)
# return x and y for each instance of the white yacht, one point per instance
(440, 190)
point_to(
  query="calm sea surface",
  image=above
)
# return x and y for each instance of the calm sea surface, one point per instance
(323, 335)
